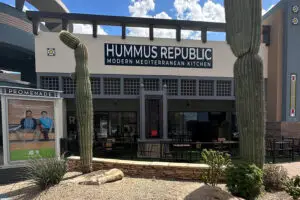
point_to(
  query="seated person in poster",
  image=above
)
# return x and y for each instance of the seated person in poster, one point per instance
(37, 132)
(46, 124)
(28, 124)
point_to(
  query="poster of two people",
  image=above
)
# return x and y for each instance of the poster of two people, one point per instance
(31, 129)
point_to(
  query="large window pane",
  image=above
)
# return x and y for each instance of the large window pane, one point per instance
(203, 116)
(129, 121)
(174, 122)
(201, 126)
(115, 124)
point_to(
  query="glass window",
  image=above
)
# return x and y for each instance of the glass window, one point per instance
(202, 126)
(203, 116)
(102, 131)
(174, 122)
(129, 121)
(115, 124)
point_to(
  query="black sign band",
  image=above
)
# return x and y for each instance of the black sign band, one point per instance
(157, 56)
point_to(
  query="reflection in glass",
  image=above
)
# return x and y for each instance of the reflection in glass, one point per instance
(200, 126)
(115, 124)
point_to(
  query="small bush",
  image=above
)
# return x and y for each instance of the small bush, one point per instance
(274, 177)
(292, 187)
(217, 161)
(46, 172)
(244, 180)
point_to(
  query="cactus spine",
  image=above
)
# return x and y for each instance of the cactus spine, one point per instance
(83, 95)
(243, 34)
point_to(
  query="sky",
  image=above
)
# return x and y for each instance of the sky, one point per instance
(198, 10)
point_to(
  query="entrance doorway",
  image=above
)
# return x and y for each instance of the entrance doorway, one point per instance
(154, 116)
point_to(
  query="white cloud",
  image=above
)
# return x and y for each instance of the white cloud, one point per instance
(185, 9)
(265, 11)
(140, 8)
(87, 29)
(25, 8)
(192, 10)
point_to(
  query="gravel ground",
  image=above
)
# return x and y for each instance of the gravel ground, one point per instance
(126, 189)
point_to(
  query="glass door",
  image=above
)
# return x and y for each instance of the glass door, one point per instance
(154, 116)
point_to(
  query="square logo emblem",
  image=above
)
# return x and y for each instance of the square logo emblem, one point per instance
(51, 51)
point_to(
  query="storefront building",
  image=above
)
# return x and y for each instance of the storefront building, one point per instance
(146, 88)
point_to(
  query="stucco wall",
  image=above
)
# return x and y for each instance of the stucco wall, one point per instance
(63, 61)
(274, 86)
(291, 59)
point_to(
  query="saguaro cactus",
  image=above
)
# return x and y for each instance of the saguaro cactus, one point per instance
(83, 95)
(243, 34)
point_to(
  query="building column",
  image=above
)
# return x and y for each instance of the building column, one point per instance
(65, 130)
(165, 112)
(5, 130)
(142, 112)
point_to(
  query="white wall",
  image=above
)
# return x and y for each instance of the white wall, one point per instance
(64, 61)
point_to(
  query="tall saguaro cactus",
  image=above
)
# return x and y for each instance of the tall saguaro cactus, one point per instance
(243, 34)
(83, 95)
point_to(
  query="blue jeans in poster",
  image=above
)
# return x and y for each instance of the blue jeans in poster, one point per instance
(45, 131)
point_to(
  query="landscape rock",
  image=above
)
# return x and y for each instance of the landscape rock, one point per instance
(111, 176)
(98, 177)
(209, 192)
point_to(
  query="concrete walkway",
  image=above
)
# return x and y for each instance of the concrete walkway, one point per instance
(293, 168)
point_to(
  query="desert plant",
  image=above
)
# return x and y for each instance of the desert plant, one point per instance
(217, 161)
(46, 172)
(244, 180)
(83, 96)
(274, 177)
(243, 34)
(292, 187)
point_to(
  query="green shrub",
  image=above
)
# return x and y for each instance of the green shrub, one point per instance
(244, 180)
(292, 187)
(46, 172)
(217, 161)
(274, 177)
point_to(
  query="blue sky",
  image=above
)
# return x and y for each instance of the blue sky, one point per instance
(200, 10)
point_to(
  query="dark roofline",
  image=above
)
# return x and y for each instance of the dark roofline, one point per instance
(15, 81)
(151, 23)
(127, 21)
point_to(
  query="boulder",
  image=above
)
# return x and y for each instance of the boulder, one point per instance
(96, 178)
(209, 192)
(111, 176)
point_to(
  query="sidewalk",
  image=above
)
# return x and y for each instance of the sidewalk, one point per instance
(293, 168)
